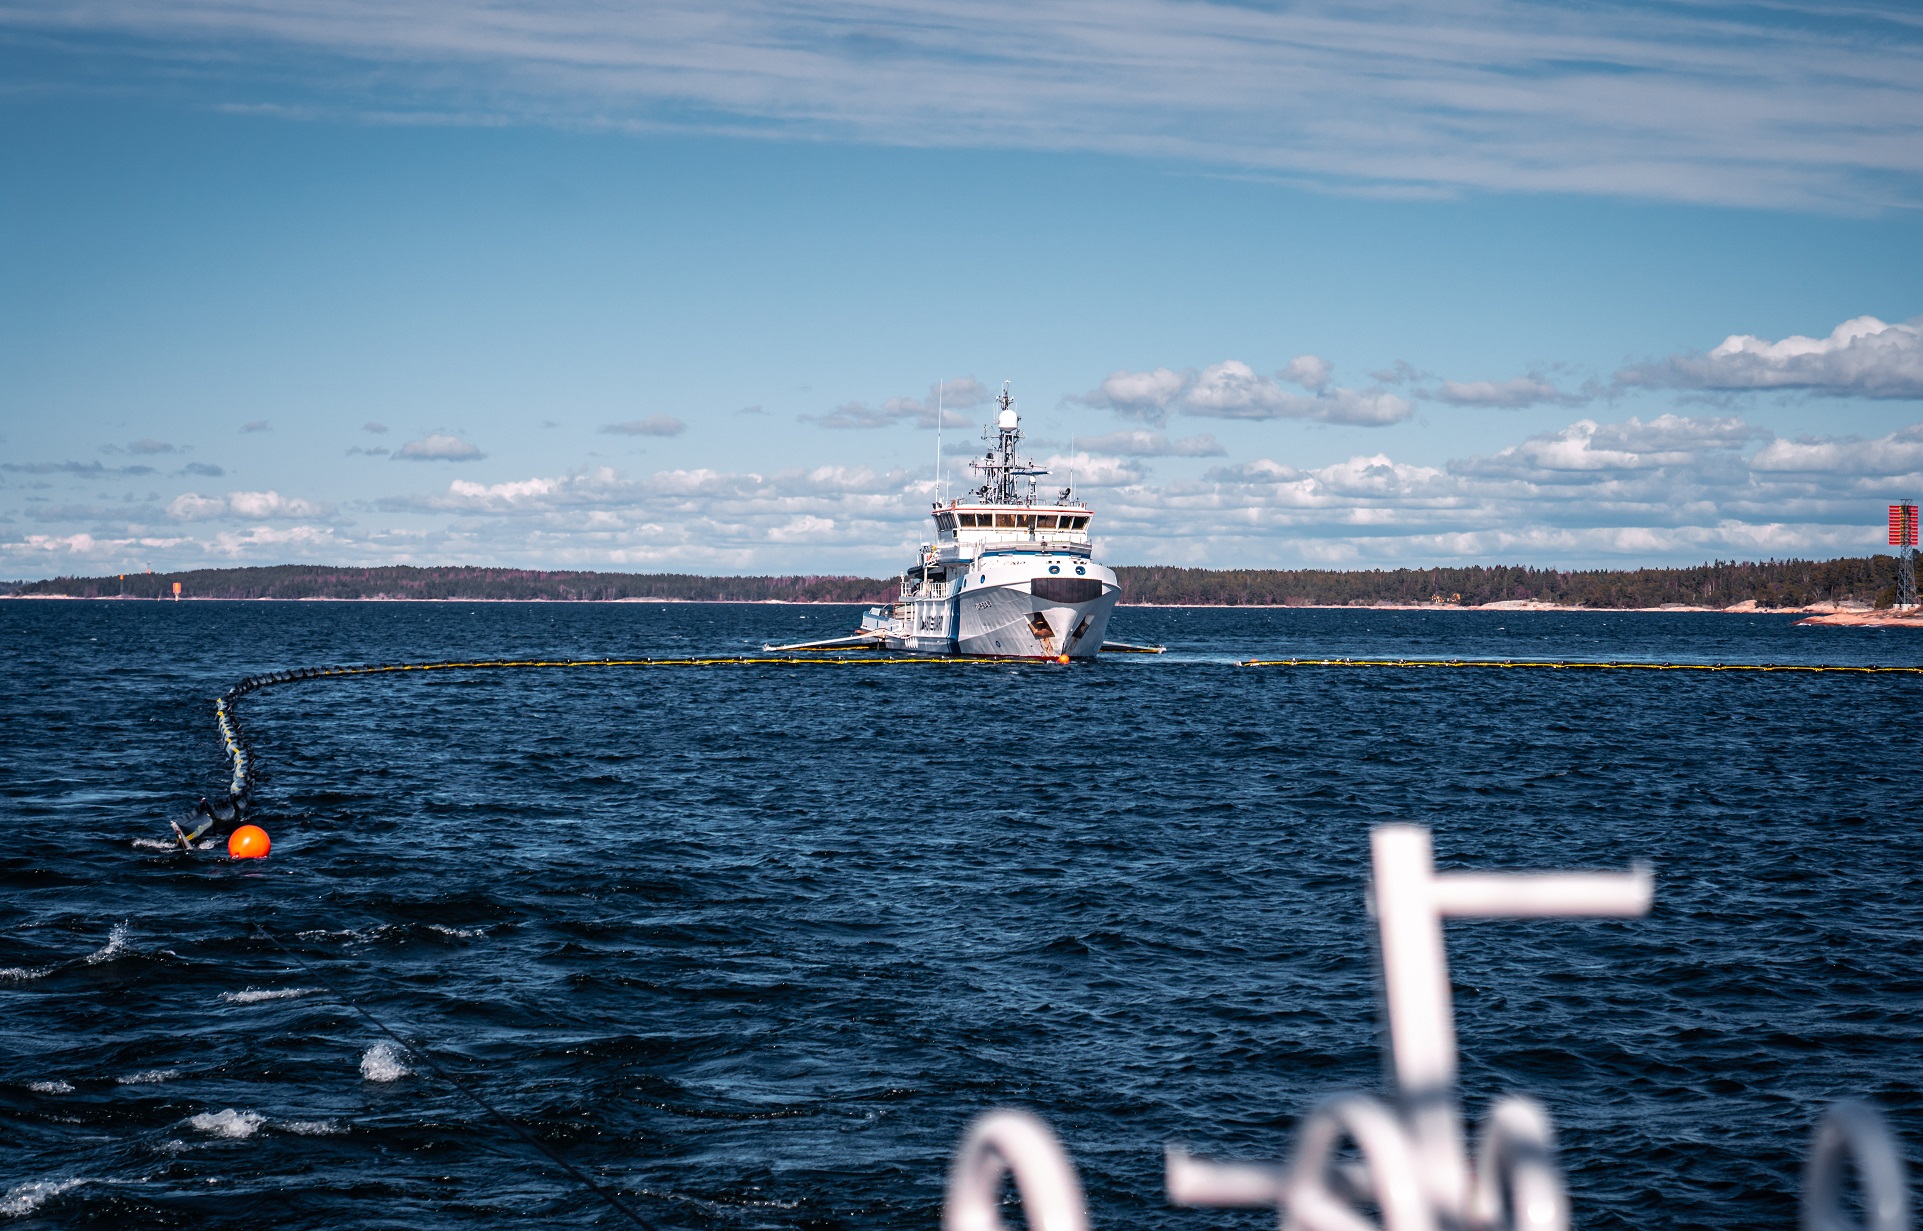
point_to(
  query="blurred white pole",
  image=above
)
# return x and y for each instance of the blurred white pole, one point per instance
(1008, 1142)
(1852, 1132)
(1410, 902)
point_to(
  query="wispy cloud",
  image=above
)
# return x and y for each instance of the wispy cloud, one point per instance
(437, 448)
(145, 447)
(1233, 390)
(653, 425)
(1517, 393)
(1792, 104)
(1150, 444)
(82, 470)
(1863, 357)
(949, 397)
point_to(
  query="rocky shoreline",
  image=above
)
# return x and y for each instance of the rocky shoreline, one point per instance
(1887, 618)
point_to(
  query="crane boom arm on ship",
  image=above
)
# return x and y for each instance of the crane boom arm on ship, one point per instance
(870, 640)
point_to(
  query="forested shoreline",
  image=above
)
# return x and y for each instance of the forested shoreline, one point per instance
(1768, 584)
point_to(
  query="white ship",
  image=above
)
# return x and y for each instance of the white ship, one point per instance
(1009, 575)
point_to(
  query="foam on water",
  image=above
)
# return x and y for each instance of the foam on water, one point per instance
(50, 1087)
(256, 996)
(116, 945)
(149, 1077)
(382, 1062)
(228, 1122)
(312, 1128)
(26, 1198)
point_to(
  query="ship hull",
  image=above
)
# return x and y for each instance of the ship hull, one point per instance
(1013, 606)
(1012, 621)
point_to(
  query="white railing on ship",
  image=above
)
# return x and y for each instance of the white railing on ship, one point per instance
(1414, 1169)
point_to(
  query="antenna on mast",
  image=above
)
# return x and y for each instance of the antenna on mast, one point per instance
(939, 494)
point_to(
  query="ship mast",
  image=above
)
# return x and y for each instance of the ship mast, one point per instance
(999, 467)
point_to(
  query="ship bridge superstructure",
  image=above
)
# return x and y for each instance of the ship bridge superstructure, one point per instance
(1008, 511)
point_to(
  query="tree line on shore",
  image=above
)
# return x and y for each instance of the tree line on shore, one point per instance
(1770, 584)
(1773, 583)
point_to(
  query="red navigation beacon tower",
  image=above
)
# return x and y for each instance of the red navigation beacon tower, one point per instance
(1903, 538)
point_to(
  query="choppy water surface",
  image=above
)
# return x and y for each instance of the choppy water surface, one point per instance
(753, 944)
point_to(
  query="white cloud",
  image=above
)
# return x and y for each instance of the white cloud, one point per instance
(1773, 105)
(1312, 372)
(1233, 390)
(806, 528)
(1863, 357)
(1898, 455)
(507, 495)
(1674, 489)
(653, 425)
(438, 448)
(1148, 396)
(192, 506)
(273, 504)
(1090, 470)
(1588, 446)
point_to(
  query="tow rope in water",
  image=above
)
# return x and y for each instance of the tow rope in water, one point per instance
(1550, 664)
(241, 789)
(420, 1053)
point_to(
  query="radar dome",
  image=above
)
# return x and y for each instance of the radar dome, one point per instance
(1008, 420)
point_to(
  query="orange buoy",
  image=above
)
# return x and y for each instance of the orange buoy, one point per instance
(248, 842)
(1061, 658)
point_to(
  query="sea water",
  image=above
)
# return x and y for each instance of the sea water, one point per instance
(751, 945)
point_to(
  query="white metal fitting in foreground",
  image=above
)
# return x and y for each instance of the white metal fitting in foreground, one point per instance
(1414, 1168)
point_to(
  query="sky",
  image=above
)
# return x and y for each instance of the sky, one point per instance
(684, 287)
